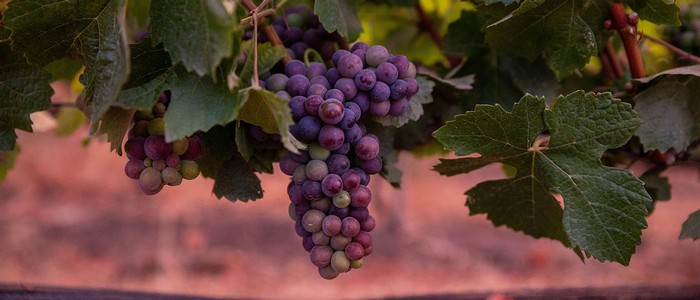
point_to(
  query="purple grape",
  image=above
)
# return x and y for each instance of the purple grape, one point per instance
(350, 227)
(281, 31)
(327, 50)
(353, 134)
(276, 82)
(302, 158)
(380, 92)
(376, 55)
(341, 212)
(368, 224)
(359, 213)
(335, 94)
(156, 148)
(308, 243)
(338, 164)
(349, 119)
(164, 97)
(134, 148)
(351, 179)
(369, 250)
(294, 35)
(299, 229)
(354, 251)
(321, 255)
(312, 104)
(295, 193)
(365, 80)
(331, 185)
(316, 69)
(386, 72)
(347, 86)
(258, 134)
(355, 108)
(316, 170)
(399, 89)
(398, 108)
(344, 149)
(288, 164)
(331, 111)
(296, 105)
(331, 225)
(333, 75)
(327, 272)
(150, 181)
(362, 101)
(320, 238)
(363, 238)
(412, 87)
(195, 148)
(361, 54)
(379, 109)
(360, 196)
(297, 85)
(364, 178)
(299, 175)
(372, 166)
(309, 128)
(411, 72)
(133, 168)
(337, 55)
(349, 65)
(316, 89)
(401, 64)
(331, 137)
(262, 84)
(321, 79)
(359, 45)
(312, 190)
(312, 37)
(284, 95)
(324, 204)
(295, 67)
(367, 148)
(299, 48)
(301, 208)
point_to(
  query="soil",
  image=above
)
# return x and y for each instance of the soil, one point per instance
(69, 217)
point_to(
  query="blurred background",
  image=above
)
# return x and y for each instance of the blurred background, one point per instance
(70, 217)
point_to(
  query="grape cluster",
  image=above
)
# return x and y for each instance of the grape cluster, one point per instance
(299, 29)
(329, 194)
(154, 162)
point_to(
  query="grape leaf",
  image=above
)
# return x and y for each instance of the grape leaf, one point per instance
(197, 33)
(271, 113)
(657, 11)
(669, 112)
(115, 124)
(555, 150)
(268, 56)
(23, 89)
(197, 103)
(46, 30)
(691, 227)
(7, 161)
(220, 147)
(237, 181)
(552, 28)
(339, 15)
(464, 36)
(415, 104)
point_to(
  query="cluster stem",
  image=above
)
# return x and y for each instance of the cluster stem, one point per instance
(628, 34)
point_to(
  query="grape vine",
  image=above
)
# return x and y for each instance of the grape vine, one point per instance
(567, 93)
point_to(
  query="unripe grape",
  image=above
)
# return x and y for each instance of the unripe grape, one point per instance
(156, 126)
(339, 242)
(316, 151)
(150, 181)
(189, 169)
(312, 220)
(356, 264)
(159, 110)
(324, 204)
(171, 175)
(327, 272)
(340, 262)
(316, 170)
(159, 165)
(140, 128)
(179, 147)
(299, 175)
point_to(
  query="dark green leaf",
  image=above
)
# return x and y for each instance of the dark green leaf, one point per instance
(24, 89)
(656, 185)
(237, 181)
(657, 11)
(245, 145)
(198, 104)
(669, 112)
(271, 113)
(220, 147)
(69, 119)
(691, 227)
(115, 124)
(7, 161)
(339, 15)
(604, 208)
(197, 33)
(464, 36)
(415, 104)
(552, 28)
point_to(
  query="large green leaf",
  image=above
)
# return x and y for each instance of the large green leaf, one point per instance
(669, 109)
(553, 28)
(657, 11)
(197, 33)
(93, 31)
(339, 15)
(271, 113)
(23, 89)
(555, 150)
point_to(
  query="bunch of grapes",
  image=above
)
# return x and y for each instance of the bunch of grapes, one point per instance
(299, 29)
(687, 36)
(329, 194)
(154, 162)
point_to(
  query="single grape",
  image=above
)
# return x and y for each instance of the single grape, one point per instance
(342, 199)
(335, 94)
(288, 164)
(150, 181)
(398, 108)
(179, 147)
(401, 63)
(359, 213)
(148, 162)
(364, 238)
(159, 110)
(324, 204)
(134, 148)
(339, 241)
(316, 89)
(368, 224)
(295, 194)
(365, 80)
(309, 128)
(343, 150)
(331, 225)
(387, 73)
(338, 163)
(353, 134)
(159, 165)
(312, 190)
(316, 151)
(337, 55)
(331, 137)
(308, 243)
(348, 121)
(360, 46)
(355, 108)
(399, 89)
(292, 214)
(376, 55)
(299, 174)
(331, 111)
(312, 220)
(369, 250)
(351, 179)
(156, 148)
(133, 168)
(195, 148)
(315, 69)
(284, 95)
(350, 227)
(296, 105)
(349, 64)
(379, 109)
(321, 79)
(295, 67)
(361, 54)
(327, 272)
(367, 148)
(347, 86)
(340, 212)
(140, 129)
(380, 92)
(301, 208)
(331, 185)
(333, 75)
(189, 169)
(320, 238)
(412, 87)
(411, 72)
(356, 264)
(360, 196)
(372, 166)
(312, 104)
(316, 170)
(354, 251)
(299, 48)
(276, 82)
(364, 177)
(340, 262)
(297, 85)
(362, 101)
(171, 176)
(321, 255)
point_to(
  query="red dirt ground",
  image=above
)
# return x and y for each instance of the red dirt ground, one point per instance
(70, 217)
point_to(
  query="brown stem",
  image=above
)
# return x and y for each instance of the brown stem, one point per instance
(425, 23)
(614, 61)
(262, 14)
(268, 30)
(674, 49)
(628, 34)
(609, 74)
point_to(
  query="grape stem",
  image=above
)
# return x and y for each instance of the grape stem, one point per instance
(678, 51)
(262, 14)
(266, 29)
(628, 34)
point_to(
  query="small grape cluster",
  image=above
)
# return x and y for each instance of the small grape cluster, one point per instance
(329, 194)
(154, 162)
(299, 29)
